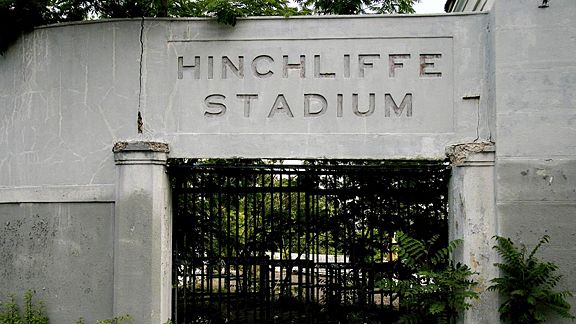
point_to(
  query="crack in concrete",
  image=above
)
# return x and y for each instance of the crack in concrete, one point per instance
(139, 117)
(478, 120)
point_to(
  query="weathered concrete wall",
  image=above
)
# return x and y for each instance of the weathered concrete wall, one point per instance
(66, 94)
(69, 92)
(63, 251)
(174, 108)
(536, 126)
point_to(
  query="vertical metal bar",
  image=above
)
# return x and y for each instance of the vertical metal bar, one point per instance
(237, 244)
(227, 238)
(273, 237)
(281, 234)
(245, 254)
(290, 225)
(306, 228)
(255, 253)
(318, 234)
(299, 227)
(195, 224)
(264, 238)
(218, 260)
(204, 250)
(211, 254)
(175, 246)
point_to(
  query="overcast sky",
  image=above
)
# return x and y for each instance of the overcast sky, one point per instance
(429, 6)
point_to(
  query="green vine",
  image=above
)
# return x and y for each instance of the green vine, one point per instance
(527, 285)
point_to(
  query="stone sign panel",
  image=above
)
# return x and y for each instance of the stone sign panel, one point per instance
(313, 86)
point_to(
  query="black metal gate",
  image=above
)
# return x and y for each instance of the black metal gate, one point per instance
(261, 243)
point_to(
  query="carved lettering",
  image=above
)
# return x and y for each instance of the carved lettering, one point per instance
(347, 66)
(247, 98)
(426, 63)
(263, 66)
(214, 106)
(317, 73)
(195, 67)
(405, 104)
(210, 67)
(259, 73)
(298, 66)
(319, 99)
(363, 62)
(273, 85)
(371, 105)
(339, 105)
(280, 105)
(395, 63)
(237, 70)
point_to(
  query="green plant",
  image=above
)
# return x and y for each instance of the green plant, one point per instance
(438, 289)
(34, 313)
(527, 284)
(10, 312)
(117, 320)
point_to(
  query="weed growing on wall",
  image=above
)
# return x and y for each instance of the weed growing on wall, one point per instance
(34, 312)
(10, 312)
(438, 289)
(527, 285)
(123, 319)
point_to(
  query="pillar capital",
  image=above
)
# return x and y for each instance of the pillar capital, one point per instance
(472, 154)
(140, 152)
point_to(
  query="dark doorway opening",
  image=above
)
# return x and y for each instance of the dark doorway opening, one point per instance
(259, 241)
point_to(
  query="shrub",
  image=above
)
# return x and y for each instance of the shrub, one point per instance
(527, 285)
(438, 289)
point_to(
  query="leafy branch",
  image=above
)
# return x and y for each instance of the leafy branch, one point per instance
(527, 284)
(21, 16)
(438, 289)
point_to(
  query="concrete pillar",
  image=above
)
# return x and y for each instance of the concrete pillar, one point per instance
(143, 233)
(473, 219)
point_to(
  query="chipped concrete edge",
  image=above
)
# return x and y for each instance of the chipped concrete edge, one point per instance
(460, 153)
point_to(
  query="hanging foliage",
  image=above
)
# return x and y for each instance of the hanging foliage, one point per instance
(21, 16)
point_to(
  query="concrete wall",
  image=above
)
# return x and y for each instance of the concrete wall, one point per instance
(65, 98)
(173, 107)
(69, 92)
(64, 252)
(536, 126)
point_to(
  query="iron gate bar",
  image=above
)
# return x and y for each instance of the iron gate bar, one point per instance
(253, 242)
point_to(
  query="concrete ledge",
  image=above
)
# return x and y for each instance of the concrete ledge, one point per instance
(58, 194)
